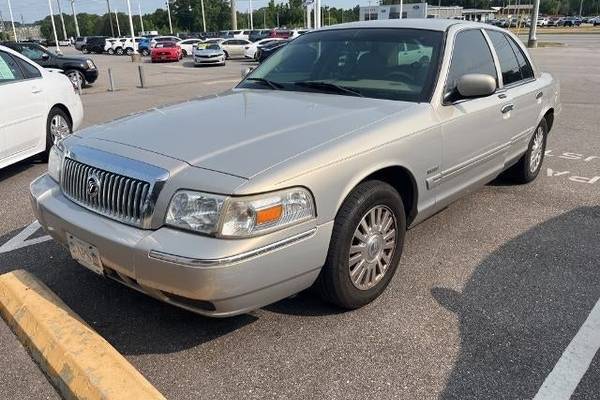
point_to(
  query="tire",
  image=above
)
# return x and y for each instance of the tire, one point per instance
(56, 118)
(524, 171)
(129, 51)
(76, 77)
(119, 51)
(84, 50)
(111, 52)
(226, 55)
(335, 283)
(184, 53)
(145, 52)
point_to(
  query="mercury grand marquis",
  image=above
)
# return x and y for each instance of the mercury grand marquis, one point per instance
(307, 173)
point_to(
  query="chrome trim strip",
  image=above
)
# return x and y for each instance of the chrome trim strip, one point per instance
(217, 262)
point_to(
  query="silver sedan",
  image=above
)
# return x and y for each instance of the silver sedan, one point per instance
(309, 172)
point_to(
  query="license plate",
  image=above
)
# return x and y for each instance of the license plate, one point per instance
(163, 57)
(85, 254)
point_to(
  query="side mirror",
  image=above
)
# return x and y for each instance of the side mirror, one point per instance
(45, 57)
(476, 85)
(246, 71)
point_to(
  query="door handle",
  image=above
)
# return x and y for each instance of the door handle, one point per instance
(36, 90)
(539, 95)
(507, 107)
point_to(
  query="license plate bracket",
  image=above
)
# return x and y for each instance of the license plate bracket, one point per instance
(85, 254)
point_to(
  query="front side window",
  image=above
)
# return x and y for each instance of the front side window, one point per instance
(509, 65)
(32, 52)
(354, 62)
(471, 55)
(9, 70)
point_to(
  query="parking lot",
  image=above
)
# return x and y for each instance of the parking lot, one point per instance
(489, 292)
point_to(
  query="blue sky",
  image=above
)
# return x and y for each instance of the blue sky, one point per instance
(33, 10)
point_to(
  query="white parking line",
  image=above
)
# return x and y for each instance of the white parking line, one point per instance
(20, 240)
(574, 362)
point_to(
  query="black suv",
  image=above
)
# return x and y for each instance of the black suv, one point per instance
(80, 70)
(95, 44)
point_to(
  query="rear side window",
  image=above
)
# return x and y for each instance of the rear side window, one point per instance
(526, 69)
(509, 65)
(9, 70)
(471, 55)
(29, 71)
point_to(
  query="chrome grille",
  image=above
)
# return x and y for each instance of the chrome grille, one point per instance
(116, 196)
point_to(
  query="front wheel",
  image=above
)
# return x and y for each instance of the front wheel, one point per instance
(145, 52)
(119, 51)
(226, 55)
(366, 245)
(111, 52)
(76, 77)
(84, 50)
(529, 166)
(129, 51)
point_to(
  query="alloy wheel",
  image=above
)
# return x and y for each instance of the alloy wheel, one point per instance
(372, 247)
(59, 128)
(536, 150)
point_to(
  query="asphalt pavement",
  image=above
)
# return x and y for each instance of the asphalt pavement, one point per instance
(489, 292)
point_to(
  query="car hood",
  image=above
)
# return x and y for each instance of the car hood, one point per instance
(70, 59)
(244, 132)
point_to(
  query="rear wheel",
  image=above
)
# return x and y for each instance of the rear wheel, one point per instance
(145, 52)
(529, 166)
(84, 49)
(226, 55)
(184, 53)
(111, 52)
(129, 51)
(58, 126)
(119, 51)
(366, 245)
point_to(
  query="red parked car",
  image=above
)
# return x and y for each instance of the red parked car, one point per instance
(166, 51)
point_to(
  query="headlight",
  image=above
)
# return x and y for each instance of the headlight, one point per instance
(90, 64)
(238, 217)
(55, 159)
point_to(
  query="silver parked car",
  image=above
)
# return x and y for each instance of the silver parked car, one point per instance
(309, 172)
(208, 53)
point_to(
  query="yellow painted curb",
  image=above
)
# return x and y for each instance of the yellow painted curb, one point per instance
(78, 361)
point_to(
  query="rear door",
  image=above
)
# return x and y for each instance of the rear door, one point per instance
(524, 91)
(472, 129)
(22, 109)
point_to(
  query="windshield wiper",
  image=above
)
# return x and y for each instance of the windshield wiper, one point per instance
(273, 85)
(330, 87)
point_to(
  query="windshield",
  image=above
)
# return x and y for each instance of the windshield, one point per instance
(213, 47)
(395, 64)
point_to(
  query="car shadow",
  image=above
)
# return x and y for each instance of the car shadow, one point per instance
(132, 322)
(522, 306)
(19, 167)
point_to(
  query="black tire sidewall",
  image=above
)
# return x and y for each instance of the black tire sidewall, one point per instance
(336, 270)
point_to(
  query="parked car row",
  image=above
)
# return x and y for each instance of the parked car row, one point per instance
(545, 21)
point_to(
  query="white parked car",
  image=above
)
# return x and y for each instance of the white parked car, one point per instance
(241, 35)
(108, 43)
(36, 106)
(124, 46)
(234, 47)
(208, 54)
(187, 46)
(250, 49)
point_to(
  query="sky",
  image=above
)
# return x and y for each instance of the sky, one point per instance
(34, 10)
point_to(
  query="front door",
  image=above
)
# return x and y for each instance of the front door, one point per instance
(472, 128)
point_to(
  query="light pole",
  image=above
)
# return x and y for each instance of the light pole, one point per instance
(12, 20)
(141, 19)
(250, 10)
(135, 52)
(532, 42)
(117, 19)
(233, 16)
(75, 18)
(169, 14)
(112, 29)
(317, 14)
(203, 16)
(54, 27)
(62, 20)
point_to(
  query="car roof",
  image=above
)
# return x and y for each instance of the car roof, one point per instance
(433, 24)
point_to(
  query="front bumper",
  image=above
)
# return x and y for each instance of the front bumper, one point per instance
(212, 60)
(182, 269)
(90, 75)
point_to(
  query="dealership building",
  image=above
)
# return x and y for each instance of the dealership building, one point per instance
(424, 10)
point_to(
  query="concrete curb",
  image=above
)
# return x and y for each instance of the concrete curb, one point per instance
(78, 361)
